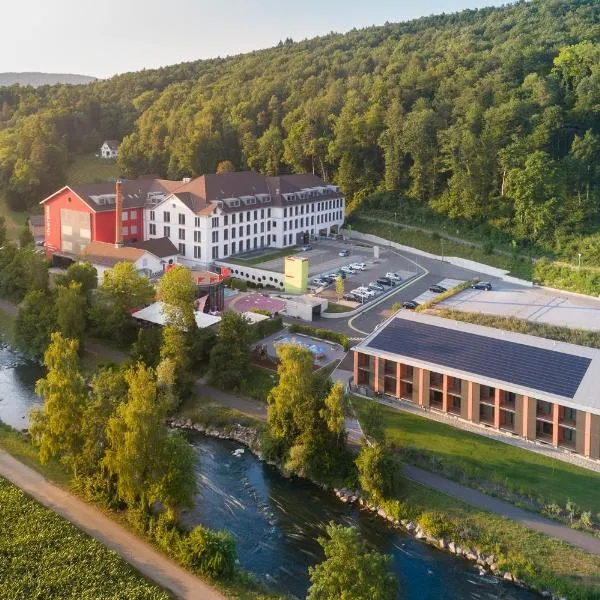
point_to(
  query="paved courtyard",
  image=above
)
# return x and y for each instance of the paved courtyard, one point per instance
(533, 304)
(246, 302)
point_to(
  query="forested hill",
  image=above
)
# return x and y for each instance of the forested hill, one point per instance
(487, 114)
(37, 79)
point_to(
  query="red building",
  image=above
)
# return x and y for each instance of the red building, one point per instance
(76, 215)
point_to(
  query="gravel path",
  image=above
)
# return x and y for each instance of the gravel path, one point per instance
(136, 552)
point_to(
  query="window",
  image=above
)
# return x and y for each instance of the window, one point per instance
(197, 252)
(241, 230)
(166, 231)
(152, 215)
(196, 221)
(215, 236)
(124, 216)
(233, 219)
(166, 216)
(215, 252)
(226, 220)
(125, 230)
(247, 229)
(226, 234)
(133, 230)
(284, 213)
(285, 225)
(232, 247)
(152, 229)
(255, 227)
(248, 216)
(181, 249)
(302, 222)
(182, 234)
(181, 219)
(312, 220)
(197, 236)
(262, 227)
(274, 238)
(233, 233)
(225, 250)
(268, 213)
(296, 223)
(215, 221)
(256, 242)
(255, 215)
(262, 213)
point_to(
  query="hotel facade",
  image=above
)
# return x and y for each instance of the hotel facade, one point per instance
(531, 387)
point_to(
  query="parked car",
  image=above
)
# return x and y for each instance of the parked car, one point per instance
(482, 285)
(386, 281)
(393, 276)
(410, 304)
(348, 270)
(377, 287)
(358, 266)
(350, 297)
(344, 252)
(437, 289)
(319, 282)
(370, 293)
(306, 248)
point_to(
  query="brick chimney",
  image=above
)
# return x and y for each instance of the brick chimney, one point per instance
(118, 213)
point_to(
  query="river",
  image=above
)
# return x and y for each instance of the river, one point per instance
(275, 520)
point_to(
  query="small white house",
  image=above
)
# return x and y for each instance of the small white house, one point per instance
(110, 149)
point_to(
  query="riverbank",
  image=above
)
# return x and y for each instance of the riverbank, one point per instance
(498, 546)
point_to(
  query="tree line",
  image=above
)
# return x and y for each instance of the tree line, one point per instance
(487, 115)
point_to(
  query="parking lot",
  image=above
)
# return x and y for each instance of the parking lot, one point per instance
(533, 304)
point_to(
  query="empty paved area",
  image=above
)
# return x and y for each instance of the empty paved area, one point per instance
(531, 303)
(246, 302)
(139, 554)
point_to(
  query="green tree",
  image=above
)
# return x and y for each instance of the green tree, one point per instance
(225, 166)
(351, 571)
(177, 291)
(25, 236)
(2, 231)
(71, 311)
(229, 363)
(339, 286)
(378, 472)
(334, 411)
(80, 272)
(35, 322)
(56, 427)
(372, 422)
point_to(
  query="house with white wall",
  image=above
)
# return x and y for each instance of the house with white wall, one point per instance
(216, 216)
(109, 149)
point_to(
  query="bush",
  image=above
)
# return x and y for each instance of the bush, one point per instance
(261, 311)
(263, 329)
(436, 524)
(322, 334)
(487, 246)
(208, 552)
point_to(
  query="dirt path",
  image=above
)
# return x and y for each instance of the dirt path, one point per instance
(137, 553)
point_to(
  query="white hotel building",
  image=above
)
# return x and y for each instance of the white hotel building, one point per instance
(215, 216)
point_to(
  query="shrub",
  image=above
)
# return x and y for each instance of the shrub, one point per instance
(435, 235)
(322, 334)
(208, 552)
(378, 472)
(263, 329)
(436, 525)
(261, 311)
(487, 247)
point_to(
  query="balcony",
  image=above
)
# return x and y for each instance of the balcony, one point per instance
(567, 417)
(567, 438)
(406, 390)
(486, 414)
(436, 382)
(544, 432)
(436, 399)
(454, 405)
(507, 420)
(454, 386)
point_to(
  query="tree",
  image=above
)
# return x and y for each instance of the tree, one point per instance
(35, 323)
(225, 166)
(136, 435)
(372, 422)
(71, 311)
(83, 273)
(378, 472)
(25, 236)
(177, 291)
(229, 363)
(2, 231)
(56, 427)
(339, 286)
(334, 412)
(350, 570)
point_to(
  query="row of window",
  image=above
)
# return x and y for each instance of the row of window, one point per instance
(215, 222)
(257, 242)
(310, 208)
(125, 215)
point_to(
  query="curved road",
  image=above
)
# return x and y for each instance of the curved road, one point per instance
(153, 565)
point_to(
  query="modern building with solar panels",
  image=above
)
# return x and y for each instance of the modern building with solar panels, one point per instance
(538, 389)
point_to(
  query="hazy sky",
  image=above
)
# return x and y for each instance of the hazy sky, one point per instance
(105, 37)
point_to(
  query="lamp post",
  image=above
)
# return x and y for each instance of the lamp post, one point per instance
(579, 264)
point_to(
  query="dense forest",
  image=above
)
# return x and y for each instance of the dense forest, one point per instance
(487, 115)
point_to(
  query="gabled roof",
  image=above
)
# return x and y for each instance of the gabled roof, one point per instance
(112, 144)
(533, 366)
(160, 247)
(102, 253)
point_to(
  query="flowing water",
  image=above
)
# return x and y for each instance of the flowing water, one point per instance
(275, 520)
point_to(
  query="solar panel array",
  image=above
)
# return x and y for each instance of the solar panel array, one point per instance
(528, 366)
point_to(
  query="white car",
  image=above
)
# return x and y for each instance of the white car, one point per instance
(394, 276)
(348, 270)
(319, 282)
(358, 266)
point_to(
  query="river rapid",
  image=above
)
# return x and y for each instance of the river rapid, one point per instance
(276, 520)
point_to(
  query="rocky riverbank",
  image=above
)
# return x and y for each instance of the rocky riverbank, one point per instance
(487, 563)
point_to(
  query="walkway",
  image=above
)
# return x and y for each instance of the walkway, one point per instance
(530, 520)
(136, 552)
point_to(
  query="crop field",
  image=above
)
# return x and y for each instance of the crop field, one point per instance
(44, 557)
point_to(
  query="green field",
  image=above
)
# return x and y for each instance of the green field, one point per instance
(14, 220)
(482, 462)
(334, 307)
(263, 257)
(87, 168)
(46, 557)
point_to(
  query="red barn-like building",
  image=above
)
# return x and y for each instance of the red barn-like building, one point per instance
(76, 215)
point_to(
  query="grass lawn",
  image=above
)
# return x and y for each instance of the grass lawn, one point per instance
(14, 220)
(263, 257)
(48, 557)
(259, 383)
(334, 307)
(474, 459)
(87, 168)
(544, 561)
(204, 411)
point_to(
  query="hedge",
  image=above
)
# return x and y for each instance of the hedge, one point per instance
(322, 334)
(265, 328)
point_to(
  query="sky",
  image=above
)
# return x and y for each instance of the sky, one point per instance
(105, 37)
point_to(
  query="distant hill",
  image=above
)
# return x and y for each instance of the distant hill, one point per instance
(38, 79)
